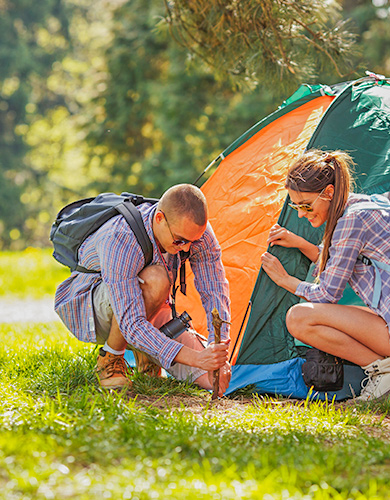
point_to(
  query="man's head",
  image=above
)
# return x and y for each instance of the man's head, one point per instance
(180, 218)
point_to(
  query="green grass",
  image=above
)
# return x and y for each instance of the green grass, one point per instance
(62, 437)
(32, 273)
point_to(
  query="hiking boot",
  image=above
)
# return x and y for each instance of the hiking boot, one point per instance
(376, 385)
(112, 370)
(145, 365)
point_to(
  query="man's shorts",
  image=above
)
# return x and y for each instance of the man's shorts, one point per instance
(103, 317)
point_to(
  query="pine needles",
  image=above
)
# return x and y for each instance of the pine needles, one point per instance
(264, 42)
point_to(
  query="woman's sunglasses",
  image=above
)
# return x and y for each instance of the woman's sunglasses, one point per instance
(306, 207)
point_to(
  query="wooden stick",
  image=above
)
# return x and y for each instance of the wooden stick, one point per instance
(217, 322)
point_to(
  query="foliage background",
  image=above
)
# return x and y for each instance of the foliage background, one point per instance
(98, 96)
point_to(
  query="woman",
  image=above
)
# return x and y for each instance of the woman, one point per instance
(319, 185)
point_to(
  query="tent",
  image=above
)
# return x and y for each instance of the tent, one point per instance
(246, 196)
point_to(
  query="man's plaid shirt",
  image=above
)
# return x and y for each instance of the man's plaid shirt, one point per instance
(115, 253)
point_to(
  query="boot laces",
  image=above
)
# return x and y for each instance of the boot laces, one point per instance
(117, 366)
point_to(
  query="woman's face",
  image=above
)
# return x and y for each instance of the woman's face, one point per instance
(313, 206)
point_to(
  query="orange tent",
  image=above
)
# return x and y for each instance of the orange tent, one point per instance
(246, 196)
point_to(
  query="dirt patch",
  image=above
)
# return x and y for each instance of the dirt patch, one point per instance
(375, 425)
(201, 404)
(197, 404)
(380, 427)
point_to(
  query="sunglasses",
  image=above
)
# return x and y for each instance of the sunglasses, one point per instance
(306, 207)
(177, 242)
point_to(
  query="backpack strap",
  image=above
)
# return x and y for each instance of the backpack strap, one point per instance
(183, 257)
(134, 219)
(377, 202)
(378, 280)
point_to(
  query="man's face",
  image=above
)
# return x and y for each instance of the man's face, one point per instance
(177, 234)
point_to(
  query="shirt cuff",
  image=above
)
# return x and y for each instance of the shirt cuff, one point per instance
(169, 352)
(302, 289)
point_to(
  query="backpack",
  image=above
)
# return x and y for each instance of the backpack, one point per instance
(377, 202)
(78, 220)
(322, 371)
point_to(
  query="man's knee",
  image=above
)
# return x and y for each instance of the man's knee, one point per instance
(190, 338)
(155, 288)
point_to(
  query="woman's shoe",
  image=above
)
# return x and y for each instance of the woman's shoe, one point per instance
(376, 386)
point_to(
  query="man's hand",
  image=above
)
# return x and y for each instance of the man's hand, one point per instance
(225, 374)
(213, 357)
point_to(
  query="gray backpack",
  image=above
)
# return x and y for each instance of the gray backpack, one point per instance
(377, 202)
(78, 220)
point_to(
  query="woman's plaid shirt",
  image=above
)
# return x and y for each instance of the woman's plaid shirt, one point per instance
(364, 232)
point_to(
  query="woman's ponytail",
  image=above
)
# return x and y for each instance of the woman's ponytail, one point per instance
(312, 173)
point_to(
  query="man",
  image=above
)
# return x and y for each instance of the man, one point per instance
(125, 304)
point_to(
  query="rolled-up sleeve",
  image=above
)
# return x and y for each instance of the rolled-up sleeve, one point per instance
(347, 242)
(210, 280)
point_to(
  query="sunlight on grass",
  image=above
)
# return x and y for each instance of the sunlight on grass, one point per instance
(32, 273)
(63, 437)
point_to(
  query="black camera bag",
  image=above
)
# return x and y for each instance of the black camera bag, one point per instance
(324, 372)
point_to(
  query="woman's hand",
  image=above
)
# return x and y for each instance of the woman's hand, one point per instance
(277, 273)
(274, 268)
(281, 236)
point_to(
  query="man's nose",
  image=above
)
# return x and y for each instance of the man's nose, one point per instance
(187, 246)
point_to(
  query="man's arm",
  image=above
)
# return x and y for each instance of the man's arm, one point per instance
(121, 261)
(210, 280)
(213, 288)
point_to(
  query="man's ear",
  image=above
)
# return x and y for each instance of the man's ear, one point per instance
(159, 216)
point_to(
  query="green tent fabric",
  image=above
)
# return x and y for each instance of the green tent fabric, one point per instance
(357, 121)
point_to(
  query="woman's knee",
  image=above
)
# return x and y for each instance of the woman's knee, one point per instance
(297, 320)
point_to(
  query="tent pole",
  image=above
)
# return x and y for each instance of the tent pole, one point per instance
(240, 331)
(220, 156)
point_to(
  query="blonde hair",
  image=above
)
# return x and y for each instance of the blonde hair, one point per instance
(312, 173)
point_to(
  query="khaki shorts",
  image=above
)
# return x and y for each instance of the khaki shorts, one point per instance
(103, 317)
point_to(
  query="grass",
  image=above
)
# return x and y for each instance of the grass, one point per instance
(32, 273)
(62, 437)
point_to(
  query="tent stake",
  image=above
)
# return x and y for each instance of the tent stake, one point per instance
(217, 323)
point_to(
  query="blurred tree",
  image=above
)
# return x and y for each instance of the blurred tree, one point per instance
(56, 136)
(371, 20)
(258, 42)
(162, 124)
(30, 41)
(104, 99)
